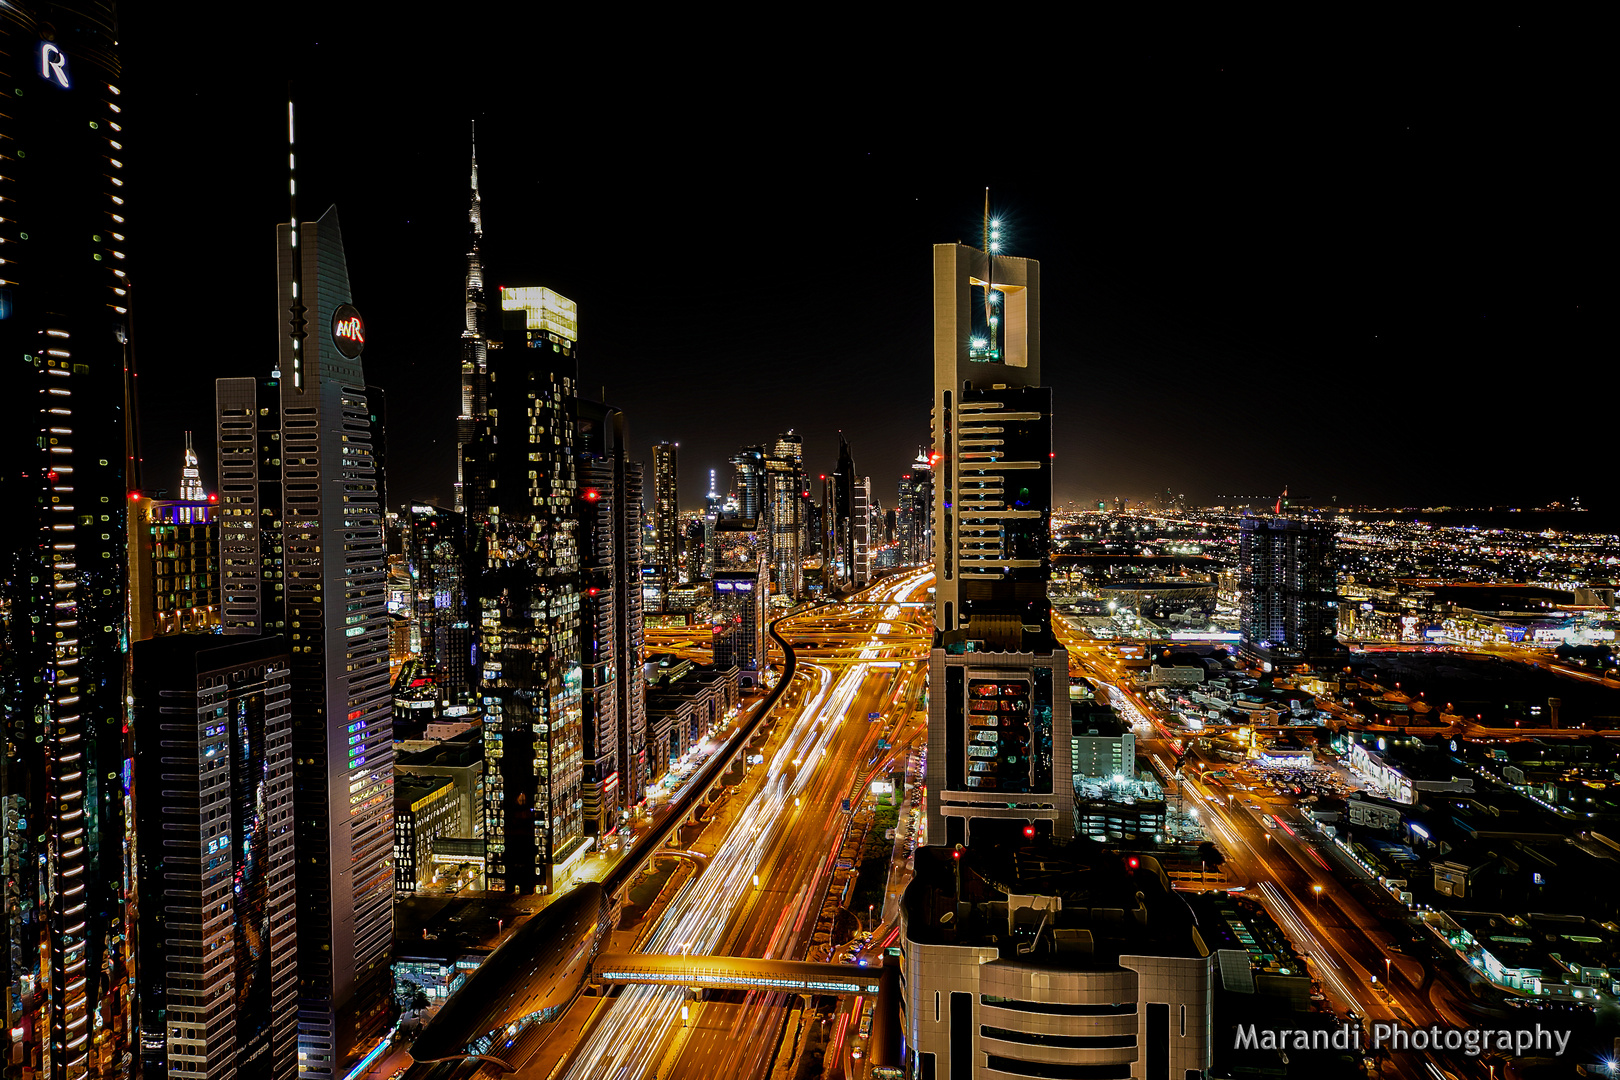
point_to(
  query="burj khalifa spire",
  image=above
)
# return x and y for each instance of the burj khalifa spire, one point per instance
(474, 339)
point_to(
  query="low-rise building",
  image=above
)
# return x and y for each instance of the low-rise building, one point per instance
(992, 936)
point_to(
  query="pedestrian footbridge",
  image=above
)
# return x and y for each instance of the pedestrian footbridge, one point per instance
(735, 973)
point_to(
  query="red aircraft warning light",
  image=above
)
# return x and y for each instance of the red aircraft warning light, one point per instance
(1029, 831)
(591, 495)
(1133, 862)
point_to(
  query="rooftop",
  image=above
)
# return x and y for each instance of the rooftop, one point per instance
(1104, 903)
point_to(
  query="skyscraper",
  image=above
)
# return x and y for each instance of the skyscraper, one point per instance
(253, 596)
(218, 940)
(749, 465)
(666, 520)
(613, 716)
(337, 633)
(474, 337)
(436, 552)
(523, 494)
(842, 559)
(998, 718)
(1288, 590)
(191, 489)
(914, 518)
(862, 535)
(66, 805)
(784, 505)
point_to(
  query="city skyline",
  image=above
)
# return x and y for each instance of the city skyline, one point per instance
(1338, 259)
(937, 768)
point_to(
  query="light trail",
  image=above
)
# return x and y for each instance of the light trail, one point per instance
(629, 1040)
(1292, 922)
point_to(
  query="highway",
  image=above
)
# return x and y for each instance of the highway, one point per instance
(787, 833)
(1302, 883)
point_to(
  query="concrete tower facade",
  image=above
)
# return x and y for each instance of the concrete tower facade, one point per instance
(998, 731)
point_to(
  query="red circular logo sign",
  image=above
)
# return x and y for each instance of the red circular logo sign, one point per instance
(348, 331)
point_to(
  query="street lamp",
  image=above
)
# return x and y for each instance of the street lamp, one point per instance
(1318, 890)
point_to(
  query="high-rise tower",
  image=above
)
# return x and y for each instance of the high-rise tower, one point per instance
(191, 489)
(67, 900)
(998, 722)
(1287, 581)
(614, 691)
(523, 498)
(337, 632)
(474, 337)
(218, 936)
(666, 517)
(785, 492)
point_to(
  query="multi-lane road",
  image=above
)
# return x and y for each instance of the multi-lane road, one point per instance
(1320, 903)
(771, 845)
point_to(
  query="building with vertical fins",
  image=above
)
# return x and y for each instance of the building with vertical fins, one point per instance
(523, 496)
(218, 941)
(474, 337)
(613, 688)
(335, 569)
(67, 896)
(666, 522)
(998, 713)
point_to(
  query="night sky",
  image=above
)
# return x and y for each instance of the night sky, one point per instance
(1356, 261)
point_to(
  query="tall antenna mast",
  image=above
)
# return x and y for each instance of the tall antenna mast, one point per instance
(989, 272)
(295, 305)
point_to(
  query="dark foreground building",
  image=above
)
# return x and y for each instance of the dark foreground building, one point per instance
(1024, 958)
(218, 944)
(67, 898)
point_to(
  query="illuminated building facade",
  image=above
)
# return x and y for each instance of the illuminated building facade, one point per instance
(191, 489)
(335, 568)
(523, 496)
(1288, 607)
(67, 897)
(749, 469)
(436, 552)
(741, 598)
(786, 492)
(666, 517)
(861, 532)
(914, 517)
(219, 933)
(425, 808)
(614, 694)
(174, 583)
(253, 589)
(696, 551)
(474, 337)
(841, 559)
(998, 716)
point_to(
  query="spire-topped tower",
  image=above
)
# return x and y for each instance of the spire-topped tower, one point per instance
(191, 489)
(474, 339)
